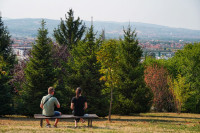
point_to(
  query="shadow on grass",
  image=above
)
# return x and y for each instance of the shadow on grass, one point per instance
(148, 120)
(18, 119)
(169, 117)
(83, 127)
(135, 119)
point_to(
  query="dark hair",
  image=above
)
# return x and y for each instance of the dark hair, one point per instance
(78, 92)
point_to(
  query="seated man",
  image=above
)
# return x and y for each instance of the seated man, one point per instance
(47, 105)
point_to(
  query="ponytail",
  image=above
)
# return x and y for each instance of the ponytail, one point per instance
(78, 92)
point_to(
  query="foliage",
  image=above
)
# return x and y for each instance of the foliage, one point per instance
(70, 31)
(84, 72)
(63, 92)
(156, 77)
(108, 58)
(181, 92)
(39, 73)
(5, 95)
(7, 61)
(186, 62)
(5, 46)
(132, 94)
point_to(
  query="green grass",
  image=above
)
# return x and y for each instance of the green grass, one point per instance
(144, 122)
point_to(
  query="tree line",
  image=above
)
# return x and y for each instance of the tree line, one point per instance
(110, 72)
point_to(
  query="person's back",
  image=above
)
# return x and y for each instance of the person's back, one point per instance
(48, 107)
(79, 104)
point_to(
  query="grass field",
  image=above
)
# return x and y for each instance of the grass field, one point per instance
(144, 122)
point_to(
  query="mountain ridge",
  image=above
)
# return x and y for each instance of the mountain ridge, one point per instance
(27, 27)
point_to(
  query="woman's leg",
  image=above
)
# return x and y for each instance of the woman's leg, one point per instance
(76, 123)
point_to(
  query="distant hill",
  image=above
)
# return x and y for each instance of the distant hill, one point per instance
(28, 28)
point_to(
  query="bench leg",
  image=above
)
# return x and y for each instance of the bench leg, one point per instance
(89, 122)
(41, 122)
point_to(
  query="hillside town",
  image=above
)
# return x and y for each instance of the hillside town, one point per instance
(156, 48)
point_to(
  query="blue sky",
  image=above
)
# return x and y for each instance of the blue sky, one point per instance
(173, 13)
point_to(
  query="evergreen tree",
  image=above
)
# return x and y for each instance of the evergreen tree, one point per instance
(63, 92)
(5, 46)
(133, 95)
(70, 31)
(8, 59)
(39, 73)
(85, 73)
(5, 95)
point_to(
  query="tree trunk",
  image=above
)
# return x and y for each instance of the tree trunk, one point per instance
(110, 109)
(111, 95)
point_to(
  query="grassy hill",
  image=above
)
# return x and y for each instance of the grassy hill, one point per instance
(144, 122)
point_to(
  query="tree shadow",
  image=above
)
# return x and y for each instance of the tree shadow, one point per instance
(148, 120)
(83, 127)
(170, 117)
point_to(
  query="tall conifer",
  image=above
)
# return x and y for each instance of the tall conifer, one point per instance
(70, 31)
(8, 58)
(39, 73)
(85, 73)
(5, 46)
(133, 95)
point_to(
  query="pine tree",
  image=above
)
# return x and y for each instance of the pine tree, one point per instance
(133, 95)
(39, 73)
(70, 31)
(5, 46)
(85, 73)
(8, 59)
(5, 95)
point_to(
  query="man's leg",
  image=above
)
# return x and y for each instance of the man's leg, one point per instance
(47, 120)
(57, 113)
(56, 122)
(48, 124)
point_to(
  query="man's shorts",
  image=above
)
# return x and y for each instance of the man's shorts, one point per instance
(57, 113)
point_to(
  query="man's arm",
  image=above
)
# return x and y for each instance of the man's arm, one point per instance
(41, 105)
(58, 105)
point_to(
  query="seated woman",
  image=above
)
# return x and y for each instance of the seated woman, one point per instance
(78, 105)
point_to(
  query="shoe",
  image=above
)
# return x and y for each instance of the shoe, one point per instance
(55, 126)
(82, 120)
(48, 125)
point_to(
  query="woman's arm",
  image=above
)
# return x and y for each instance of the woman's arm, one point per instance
(85, 106)
(72, 106)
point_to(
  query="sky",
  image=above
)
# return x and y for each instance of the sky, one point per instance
(172, 13)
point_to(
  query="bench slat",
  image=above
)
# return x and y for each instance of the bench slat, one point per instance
(65, 116)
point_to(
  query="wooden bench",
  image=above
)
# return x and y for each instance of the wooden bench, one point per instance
(64, 116)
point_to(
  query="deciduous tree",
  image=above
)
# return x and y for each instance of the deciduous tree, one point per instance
(108, 58)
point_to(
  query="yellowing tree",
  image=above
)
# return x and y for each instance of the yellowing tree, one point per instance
(108, 58)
